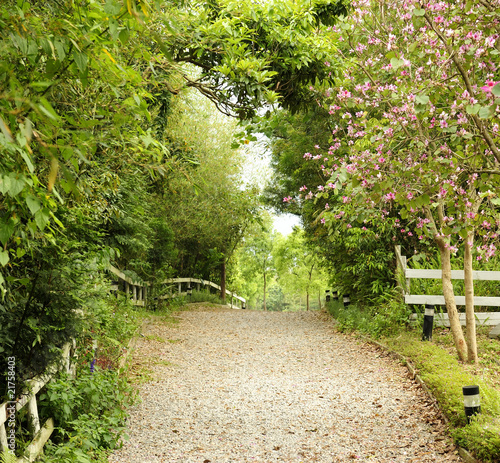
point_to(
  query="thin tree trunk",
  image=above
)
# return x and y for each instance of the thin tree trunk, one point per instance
(449, 298)
(449, 295)
(470, 319)
(223, 281)
(307, 300)
(265, 307)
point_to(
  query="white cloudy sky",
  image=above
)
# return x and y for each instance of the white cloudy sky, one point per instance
(257, 171)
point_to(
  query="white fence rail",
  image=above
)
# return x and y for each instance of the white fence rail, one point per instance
(138, 291)
(483, 318)
(27, 399)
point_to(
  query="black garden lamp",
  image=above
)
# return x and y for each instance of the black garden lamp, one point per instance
(347, 301)
(335, 296)
(428, 322)
(189, 291)
(472, 401)
(327, 297)
(243, 306)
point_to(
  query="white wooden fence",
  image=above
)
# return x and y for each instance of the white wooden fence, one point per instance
(28, 399)
(441, 319)
(139, 290)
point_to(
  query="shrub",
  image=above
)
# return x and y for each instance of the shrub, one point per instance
(387, 315)
(90, 413)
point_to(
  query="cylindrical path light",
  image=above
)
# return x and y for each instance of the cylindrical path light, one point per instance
(327, 297)
(347, 301)
(472, 401)
(428, 322)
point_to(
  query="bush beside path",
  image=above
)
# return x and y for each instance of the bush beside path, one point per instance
(246, 386)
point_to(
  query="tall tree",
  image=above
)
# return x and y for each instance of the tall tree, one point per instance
(299, 266)
(416, 129)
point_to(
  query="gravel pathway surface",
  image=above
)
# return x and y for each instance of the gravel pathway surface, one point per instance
(246, 386)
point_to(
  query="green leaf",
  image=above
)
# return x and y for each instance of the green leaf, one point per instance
(81, 60)
(6, 230)
(418, 12)
(396, 63)
(34, 204)
(4, 258)
(496, 90)
(487, 111)
(422, 99)
(473, 109)
(16, 184)
(124, 36)
(27, 160)
(61, 53)
(413, 47)
(47, 108)
(42, 218)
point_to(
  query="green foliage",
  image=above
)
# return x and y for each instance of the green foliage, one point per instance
(254, 53)
(203, 296)
(363, 262)
(90, 412)
(386, 315)
(299, 266)
(481, 437)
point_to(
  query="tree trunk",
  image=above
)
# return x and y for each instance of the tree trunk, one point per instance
(449, 298)
(319, 299)
(449, 295)
(307, 300)
(265, 307)
(223, 281)
(470, 319)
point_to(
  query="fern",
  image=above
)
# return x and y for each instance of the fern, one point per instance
(6, 457)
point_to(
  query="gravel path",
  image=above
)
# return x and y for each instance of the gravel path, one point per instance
(245, 386)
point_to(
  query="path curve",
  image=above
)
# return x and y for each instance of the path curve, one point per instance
(246, 386)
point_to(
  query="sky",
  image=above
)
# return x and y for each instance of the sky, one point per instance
(284, 223)
(257, 170)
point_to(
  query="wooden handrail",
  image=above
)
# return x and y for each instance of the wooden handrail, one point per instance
(139, 289)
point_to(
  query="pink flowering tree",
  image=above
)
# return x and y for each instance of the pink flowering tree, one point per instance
(416, 130)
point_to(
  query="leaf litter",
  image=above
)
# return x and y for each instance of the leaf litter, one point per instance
(248, 386)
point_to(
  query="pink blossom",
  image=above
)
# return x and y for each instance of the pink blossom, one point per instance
(489, 86)
(287, 199)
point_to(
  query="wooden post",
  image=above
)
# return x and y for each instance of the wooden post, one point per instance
(33, 420)
(126, 289)
(3, 438)
(180, 288)
(134, 293)
(35, 448)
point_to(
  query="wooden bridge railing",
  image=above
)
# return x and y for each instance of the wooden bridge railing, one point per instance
(138, 291)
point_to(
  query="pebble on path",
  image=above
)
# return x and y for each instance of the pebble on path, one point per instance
(234, 386)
